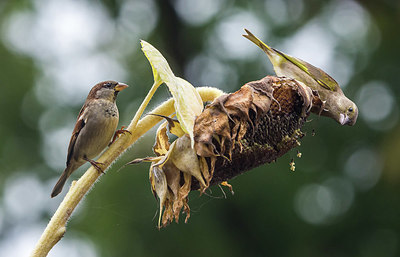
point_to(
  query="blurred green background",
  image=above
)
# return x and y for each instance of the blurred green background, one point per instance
(343, 199)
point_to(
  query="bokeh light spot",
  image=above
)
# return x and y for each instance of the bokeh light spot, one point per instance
(54, 149)
(226, 40)
(313, 44)
(204, 70)
(313, 203)
(377, 104)
(277, 11)
(196, 12)
(364, 168)
(343, 194)
(321, 203)
(23, 194)
(349, 20)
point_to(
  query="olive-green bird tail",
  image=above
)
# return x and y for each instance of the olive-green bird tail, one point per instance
(250, 36)
(276, 57)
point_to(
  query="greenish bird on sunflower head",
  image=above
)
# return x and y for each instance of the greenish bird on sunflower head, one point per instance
(336, 104)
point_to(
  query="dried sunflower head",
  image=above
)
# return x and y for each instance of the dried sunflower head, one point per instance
(236, 132)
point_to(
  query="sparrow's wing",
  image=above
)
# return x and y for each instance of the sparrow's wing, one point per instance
(78, 127)
(80, 123)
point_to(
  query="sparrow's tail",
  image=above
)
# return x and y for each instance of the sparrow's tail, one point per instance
(61, 181)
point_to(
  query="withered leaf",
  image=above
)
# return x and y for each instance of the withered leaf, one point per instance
(162, 144)
(173, 125)
(146, 159)
(159, 185)
(185, 159)
(173, 178)
(181, 201)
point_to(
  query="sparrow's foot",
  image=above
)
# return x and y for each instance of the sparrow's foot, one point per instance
(118, 133)
(95, 164)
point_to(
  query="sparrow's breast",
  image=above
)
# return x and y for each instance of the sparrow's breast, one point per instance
(101, 123)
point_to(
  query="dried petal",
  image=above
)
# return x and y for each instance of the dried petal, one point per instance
(205, 170)
(146, 159)
(229, 186)
(173, 125)
(182, 198)
(173, 178)
(168, 214)
(162, 144)
(159, 186)
(185, 159)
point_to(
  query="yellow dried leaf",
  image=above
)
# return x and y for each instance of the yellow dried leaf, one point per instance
(173, 125)
(188, 103)
(162, 144)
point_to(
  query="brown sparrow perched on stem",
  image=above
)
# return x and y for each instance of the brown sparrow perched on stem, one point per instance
(94, 129)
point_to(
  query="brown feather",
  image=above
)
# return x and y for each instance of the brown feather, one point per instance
(78, 127)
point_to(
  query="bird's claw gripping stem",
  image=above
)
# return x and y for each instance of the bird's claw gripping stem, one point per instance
(118, 133)
(95, 164)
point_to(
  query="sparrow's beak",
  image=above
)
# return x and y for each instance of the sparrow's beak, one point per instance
(120, 87)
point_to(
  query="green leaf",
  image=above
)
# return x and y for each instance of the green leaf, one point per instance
(188, 103)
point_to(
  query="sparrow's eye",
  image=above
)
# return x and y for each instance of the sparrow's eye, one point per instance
(351, 109)
(108, 85)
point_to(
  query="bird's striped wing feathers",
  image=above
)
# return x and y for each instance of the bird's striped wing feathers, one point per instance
(80, 123)
(316, 73)
(321, 77)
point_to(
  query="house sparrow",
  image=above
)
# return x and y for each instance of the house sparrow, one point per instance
(94, 129)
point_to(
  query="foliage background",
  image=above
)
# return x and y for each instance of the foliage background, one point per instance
(341, 201)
